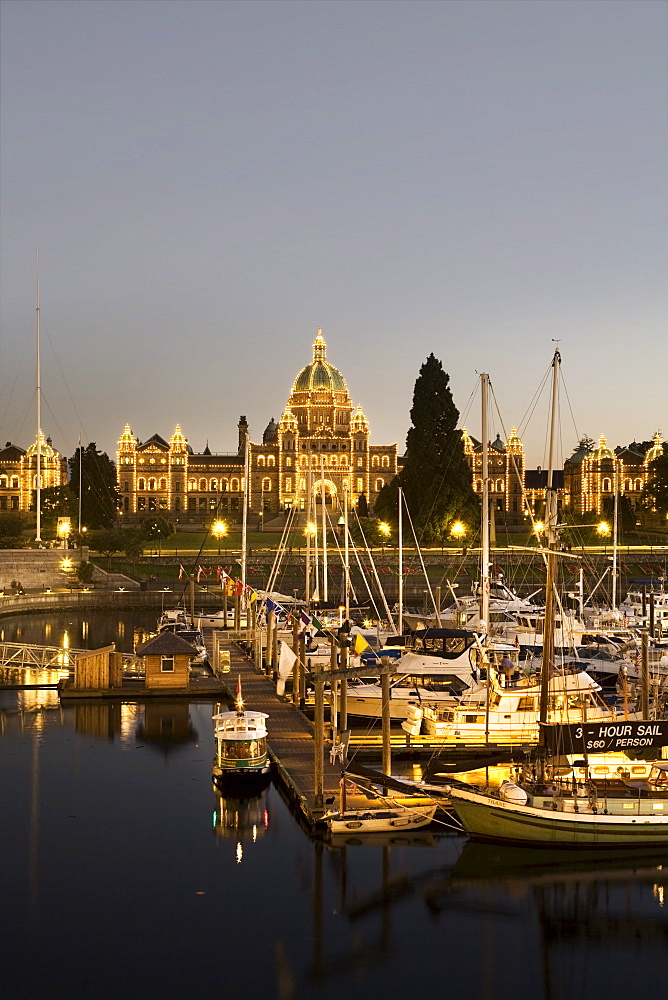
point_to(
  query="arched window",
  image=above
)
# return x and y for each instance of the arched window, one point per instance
(627, 485)
(151, 484)
(333, 462)
(271, 460)
(3, 482)
(288, 485)
(141, 484)
(288, 463)
(499, 486)
(386, 462)
(234, 485)
(163, 484)
(379, 485)
(260, 460)
(15, 482)
(607, 486)
(344, 461)
(374, 461)
(224, 485)
(192, 485)
(360, 485)
(202, 484)
(213, 485)
(315, 462)
(266, 485)
(638, 484)
(302, 484)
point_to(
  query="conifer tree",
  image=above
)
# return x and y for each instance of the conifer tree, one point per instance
(99, 499)
(436, 479)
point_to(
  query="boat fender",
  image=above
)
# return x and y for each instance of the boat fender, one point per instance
(510, 792)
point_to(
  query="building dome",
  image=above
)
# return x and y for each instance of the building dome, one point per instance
(270, 435)
(602, 450)
(656, 451)
(46, 449)
(320, 376)
(514, 442)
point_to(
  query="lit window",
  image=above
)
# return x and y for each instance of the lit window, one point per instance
(271, 460)
(141, 484)
(167, 664)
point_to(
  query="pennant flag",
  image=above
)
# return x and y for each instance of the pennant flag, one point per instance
(286, 662)
(199, 573)
(304, 618)
(182, 572)
(253, 596)
(238, 588)
(273, 606)
(315, 622)
(360, 644)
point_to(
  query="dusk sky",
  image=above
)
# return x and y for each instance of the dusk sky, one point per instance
(209, 182)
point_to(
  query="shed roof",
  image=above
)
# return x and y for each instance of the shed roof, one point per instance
(166, 644)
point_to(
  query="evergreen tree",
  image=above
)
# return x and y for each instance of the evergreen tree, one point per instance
(99, 501)
(362, 505)
(656, 493)
(436, 478)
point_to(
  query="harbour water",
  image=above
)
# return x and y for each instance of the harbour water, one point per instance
(124, 873)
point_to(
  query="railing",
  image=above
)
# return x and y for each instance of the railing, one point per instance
(21, 654)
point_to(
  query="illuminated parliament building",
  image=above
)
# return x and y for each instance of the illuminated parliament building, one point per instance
(321, 442)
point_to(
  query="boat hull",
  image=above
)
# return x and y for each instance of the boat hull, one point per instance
(383, 821)
(491, 819)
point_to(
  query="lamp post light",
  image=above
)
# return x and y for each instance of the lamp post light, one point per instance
(385, 532)
(603, 530)
(219, 531)
(64, 529)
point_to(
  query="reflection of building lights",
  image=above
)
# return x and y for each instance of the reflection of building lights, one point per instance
(254, 833)
(239, 853)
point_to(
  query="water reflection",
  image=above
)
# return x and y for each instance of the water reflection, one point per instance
(240, 819)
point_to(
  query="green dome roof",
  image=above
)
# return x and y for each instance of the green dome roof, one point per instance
(320, 376)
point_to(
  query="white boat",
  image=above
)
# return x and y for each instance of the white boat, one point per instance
(553, 815)
(636, 606)
(182, 625)
(219, 619)
(514, 710)
(527, 630)
(440, 666)
(241, 748)
(385, 820)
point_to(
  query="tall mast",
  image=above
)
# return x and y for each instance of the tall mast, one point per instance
(401, 561)
(324, 528)
(80, 484)
(38, 478)
(307, 595)
(615, 528)
(314, 495)
(484, 555)
(246, 500)
(551, 535)
(346, 565)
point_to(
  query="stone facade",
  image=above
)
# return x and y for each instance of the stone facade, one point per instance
(591, 477)
(507, 473)
(18, 473)
(321, 439)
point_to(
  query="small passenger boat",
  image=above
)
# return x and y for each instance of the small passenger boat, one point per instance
(241, 748)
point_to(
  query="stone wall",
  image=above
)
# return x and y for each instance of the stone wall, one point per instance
(38, 568)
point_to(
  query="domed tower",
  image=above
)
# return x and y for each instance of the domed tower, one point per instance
(126, 469)
(514, 473)
(270, 435)
(178, 469)
(319, 398)
(599, 475)
(656, 451)
(51, 469)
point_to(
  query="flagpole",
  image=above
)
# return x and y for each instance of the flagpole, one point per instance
(308, 541)
(244, 521)
(401, 561)
(38, 477)
(347, 553)
(324, 530)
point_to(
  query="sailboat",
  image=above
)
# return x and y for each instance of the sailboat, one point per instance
(557, 812)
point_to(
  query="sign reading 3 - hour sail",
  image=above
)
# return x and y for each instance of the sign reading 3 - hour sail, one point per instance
(605, 737)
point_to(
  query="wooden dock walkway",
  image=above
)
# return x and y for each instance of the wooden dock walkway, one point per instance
(291, 734)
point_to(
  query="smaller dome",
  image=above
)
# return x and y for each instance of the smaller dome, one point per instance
(514, 441)
(359, 422)
(177, 442)
(467, 442)
(45, 449)
(498, 444)
(656, 451)
(270, 433)
(602, 450)
(288, 421)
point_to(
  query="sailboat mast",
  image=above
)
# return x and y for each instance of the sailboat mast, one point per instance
(484, 555)
(246, 499)
(551, 535)
(38, 477)
(401, 561)
(346, 566)
(615, 527)
(80, 484)
(324, 528)
(307, 595)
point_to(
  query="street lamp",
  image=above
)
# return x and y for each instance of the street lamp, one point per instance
(385, 531)
(64, 529)
(219, 531)
(603, 530)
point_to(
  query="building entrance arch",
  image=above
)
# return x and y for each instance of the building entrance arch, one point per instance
(331, 493)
